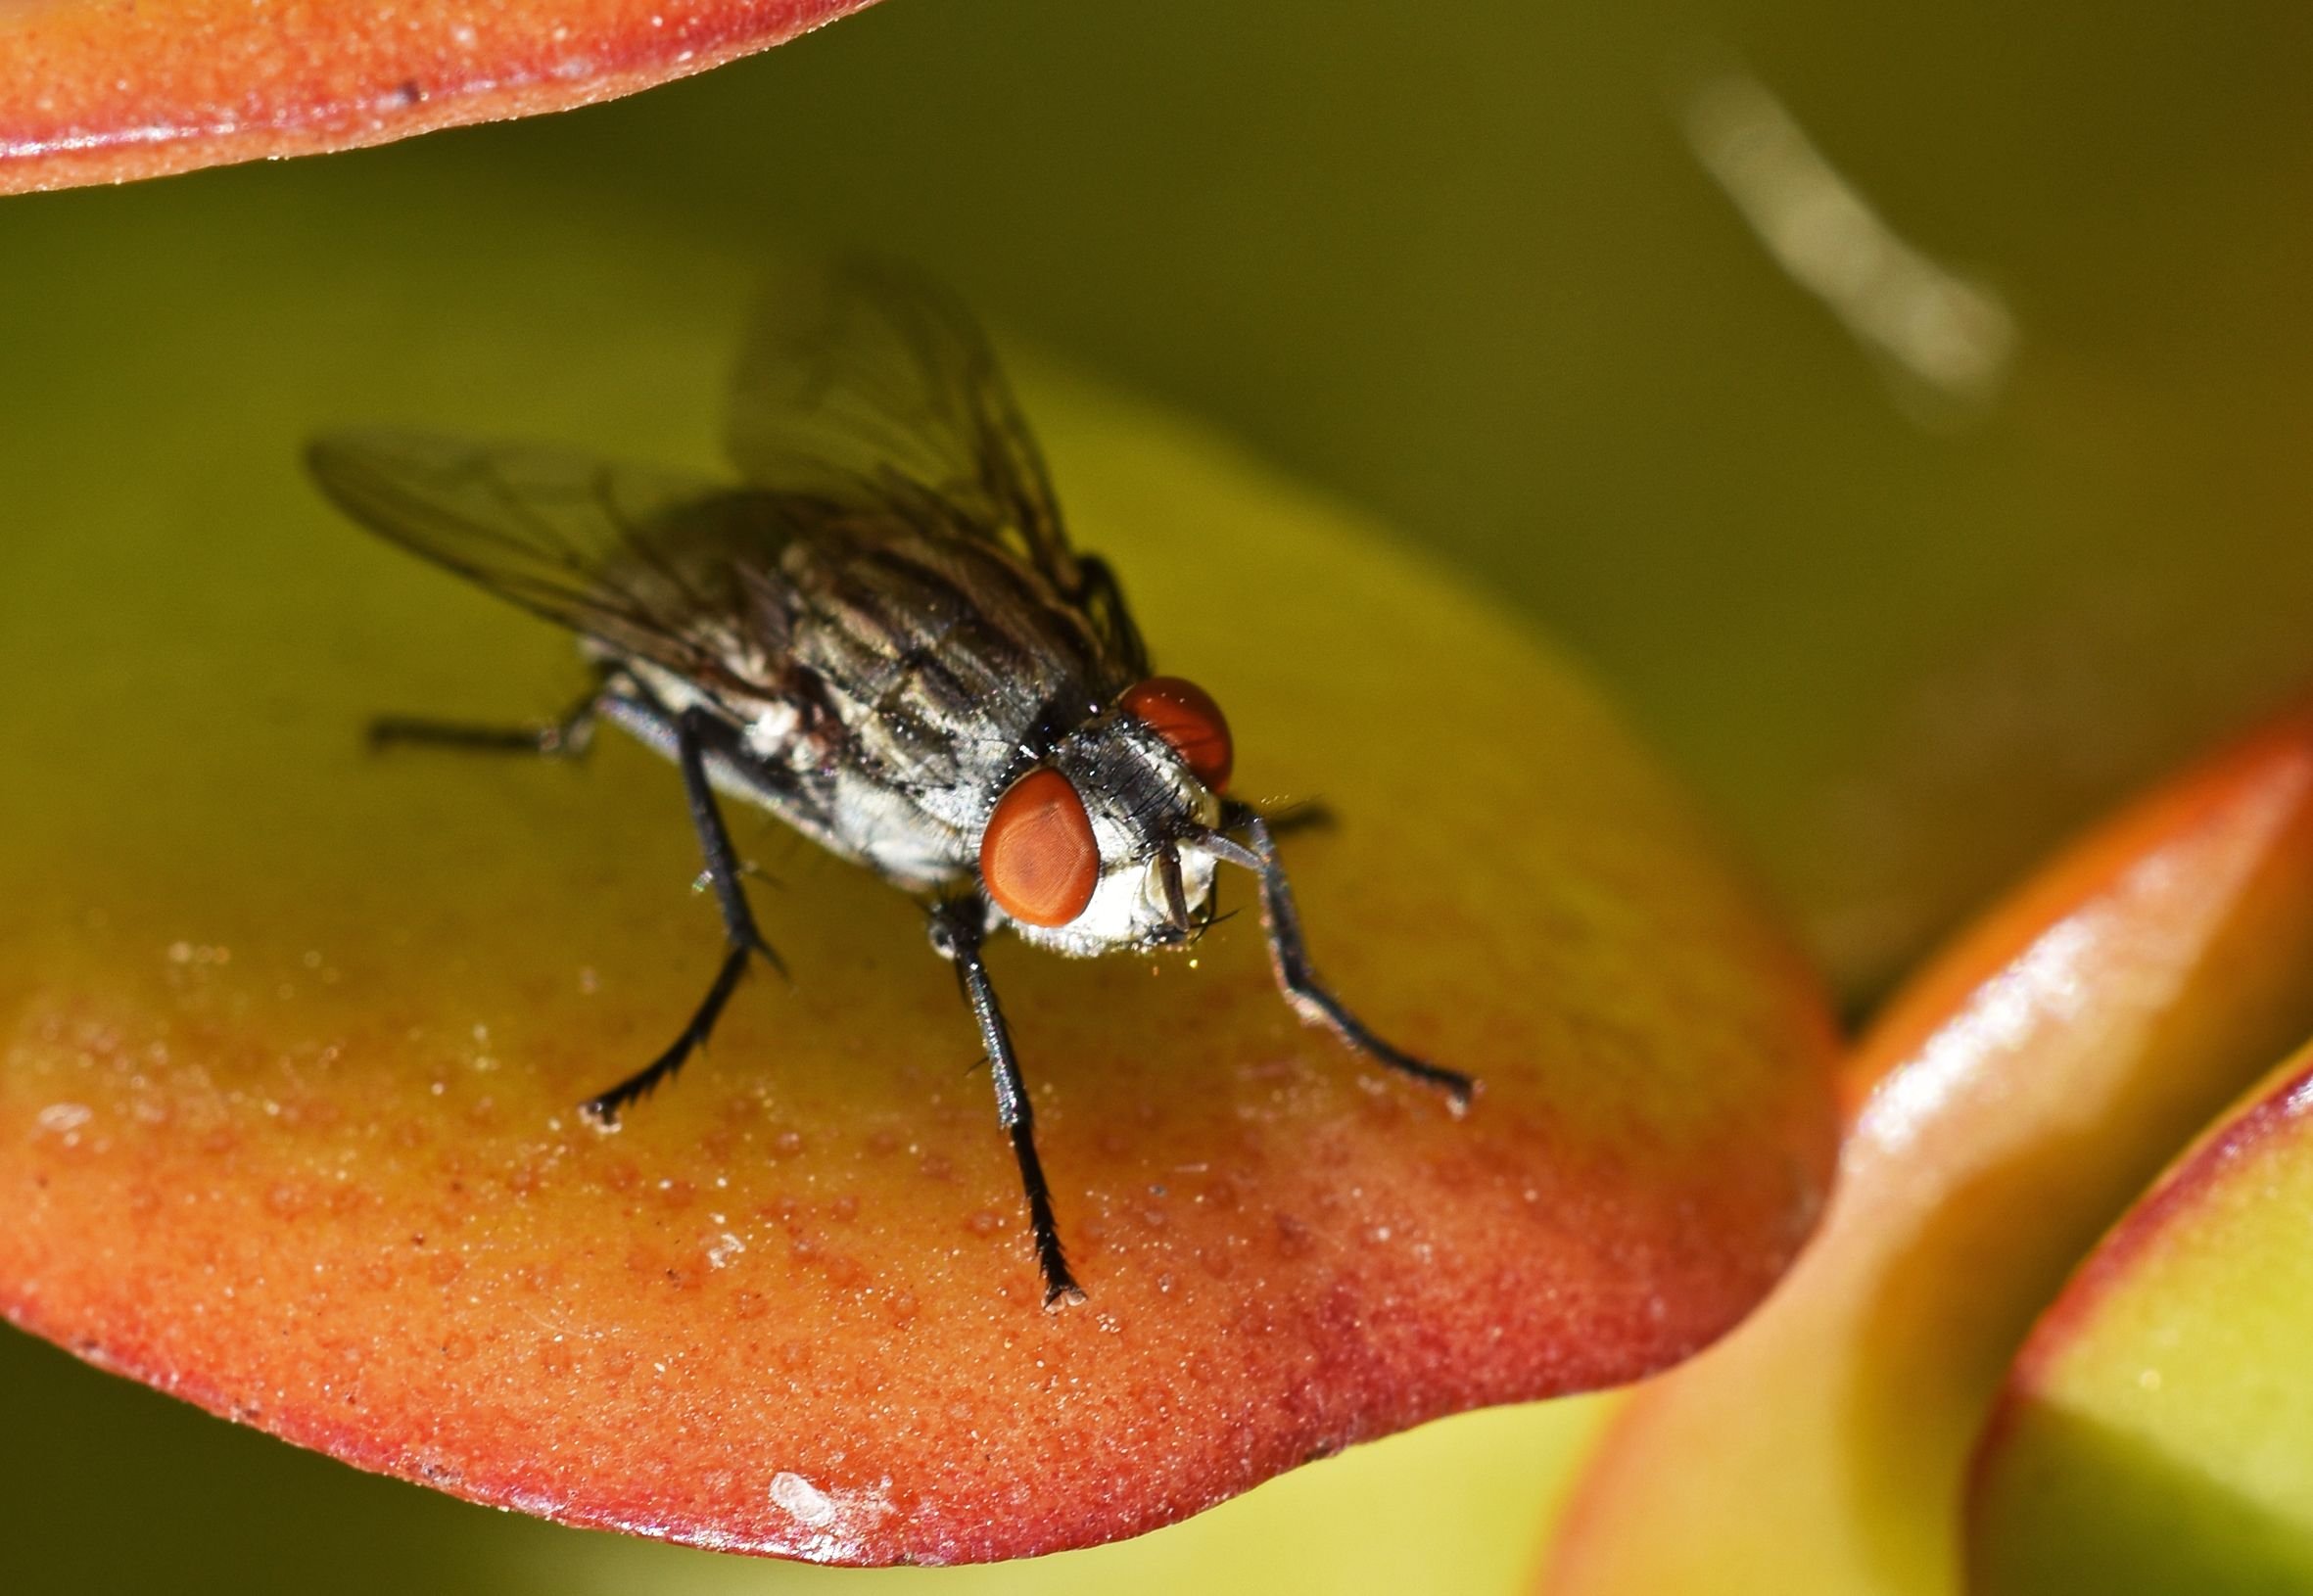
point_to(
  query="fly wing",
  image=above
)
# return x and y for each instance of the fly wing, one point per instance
(648, 563)
(868, 387)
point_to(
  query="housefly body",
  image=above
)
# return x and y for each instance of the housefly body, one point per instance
(883, 636)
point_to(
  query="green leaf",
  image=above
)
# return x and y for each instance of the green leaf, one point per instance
(2156, 1431)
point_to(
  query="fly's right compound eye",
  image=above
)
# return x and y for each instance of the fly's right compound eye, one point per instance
(1038, 858)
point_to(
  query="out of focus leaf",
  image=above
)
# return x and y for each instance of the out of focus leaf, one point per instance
(93, 91)
(2156, 1431)
(2019, 1096)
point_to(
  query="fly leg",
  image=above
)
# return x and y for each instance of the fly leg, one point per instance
(1309, 815)
(738, 924)
(566, 738)
(957, 927)
(1297, 977)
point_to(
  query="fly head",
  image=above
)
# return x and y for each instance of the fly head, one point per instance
(1084, 851)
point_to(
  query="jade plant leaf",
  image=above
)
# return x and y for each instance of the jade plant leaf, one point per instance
(2156, 1431)
(2012, 1102)
(92, 92)
(293, 1035)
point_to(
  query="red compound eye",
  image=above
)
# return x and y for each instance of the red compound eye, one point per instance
(1185, 716)
(1038, 858)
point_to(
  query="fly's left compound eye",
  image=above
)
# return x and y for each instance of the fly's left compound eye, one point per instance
(1185, 716)
(1038, 856)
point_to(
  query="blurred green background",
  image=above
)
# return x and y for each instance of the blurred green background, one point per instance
(1461, 266)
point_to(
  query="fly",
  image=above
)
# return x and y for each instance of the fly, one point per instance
(883, 636)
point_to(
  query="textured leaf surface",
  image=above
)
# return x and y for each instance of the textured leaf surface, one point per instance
(97, 91)
(2017, 1098)
(2156, 1432)
(291, 1035)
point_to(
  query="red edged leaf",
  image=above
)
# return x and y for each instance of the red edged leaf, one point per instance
(2156, 1431)
(2008, 1106)
(287, 1114)
(97, 92)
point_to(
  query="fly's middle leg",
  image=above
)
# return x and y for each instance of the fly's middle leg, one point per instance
(956, 928)
(744, 941)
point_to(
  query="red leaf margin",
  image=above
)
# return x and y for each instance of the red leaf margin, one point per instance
(111, 91)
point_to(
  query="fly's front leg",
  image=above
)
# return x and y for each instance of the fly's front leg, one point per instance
(956, 928)
(567, 737)
(1296, 975)
(738, 924)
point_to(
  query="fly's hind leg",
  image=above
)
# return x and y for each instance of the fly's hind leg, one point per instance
(956, 928)
(565, 737)
(745, 942)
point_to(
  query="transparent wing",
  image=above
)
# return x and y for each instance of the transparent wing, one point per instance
(649, 563)
(865, 384)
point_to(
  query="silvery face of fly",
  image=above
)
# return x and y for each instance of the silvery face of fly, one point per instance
(880, 635)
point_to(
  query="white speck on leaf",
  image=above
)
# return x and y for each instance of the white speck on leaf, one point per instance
(64, 1118)
(803, 1499)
